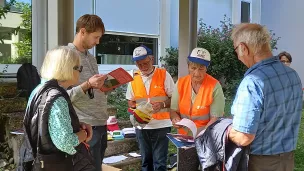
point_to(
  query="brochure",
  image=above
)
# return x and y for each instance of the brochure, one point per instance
(115, 79)
(180, 140)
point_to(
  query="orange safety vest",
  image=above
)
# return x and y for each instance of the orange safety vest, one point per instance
(199, 112)
(157, 91)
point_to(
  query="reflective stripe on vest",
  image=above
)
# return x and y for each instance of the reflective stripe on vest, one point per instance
(195, 118)
(199, 111)
(157, 91)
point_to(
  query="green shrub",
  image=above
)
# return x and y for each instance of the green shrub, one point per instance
(224, 66)
(170, 61)
(117, 99)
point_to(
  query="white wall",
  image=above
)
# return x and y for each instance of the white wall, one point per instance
(285, 19)
(131, 16)
(211, 11)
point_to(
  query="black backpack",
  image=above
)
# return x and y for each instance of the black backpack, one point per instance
(27, 79)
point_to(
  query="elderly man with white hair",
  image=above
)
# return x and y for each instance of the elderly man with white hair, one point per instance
(267, 107)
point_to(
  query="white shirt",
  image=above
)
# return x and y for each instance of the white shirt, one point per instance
(169, 87)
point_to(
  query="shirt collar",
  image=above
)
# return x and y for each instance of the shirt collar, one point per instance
(74, 47)
(261, 63)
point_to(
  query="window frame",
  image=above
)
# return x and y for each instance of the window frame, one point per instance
(13, 68)
(250, 8)
(255, 11)
(105, 68)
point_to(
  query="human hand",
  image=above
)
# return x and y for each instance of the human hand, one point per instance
(157, 106)
(174, 121)
(82, 135)
(88, 129)
(139, 116)
(97, 81)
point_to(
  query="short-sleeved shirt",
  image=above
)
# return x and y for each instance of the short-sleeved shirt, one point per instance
(217, 107)
(268, 104)
(169, 86)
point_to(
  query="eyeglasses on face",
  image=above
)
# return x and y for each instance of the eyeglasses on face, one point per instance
(234, 50)
(78, 68)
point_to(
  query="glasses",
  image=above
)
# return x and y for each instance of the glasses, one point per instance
(234, 50)
(78, 68)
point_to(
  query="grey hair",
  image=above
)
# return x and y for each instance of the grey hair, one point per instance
(255, 36)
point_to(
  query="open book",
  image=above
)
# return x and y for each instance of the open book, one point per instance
(180, 140)
(115, 79)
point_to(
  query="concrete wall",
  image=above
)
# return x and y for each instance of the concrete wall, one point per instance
(284, 18)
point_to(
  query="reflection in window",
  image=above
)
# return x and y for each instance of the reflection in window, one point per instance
(16, 32)
(118, 49)
(245, 12)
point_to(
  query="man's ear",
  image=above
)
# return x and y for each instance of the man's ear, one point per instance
(82, 31)
(244, 50)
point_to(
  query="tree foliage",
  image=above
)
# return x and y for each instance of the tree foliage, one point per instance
(224, 66)
(24, 46)
(3, 11)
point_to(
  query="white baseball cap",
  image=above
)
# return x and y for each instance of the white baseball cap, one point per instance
(141, 52)
(201, 56)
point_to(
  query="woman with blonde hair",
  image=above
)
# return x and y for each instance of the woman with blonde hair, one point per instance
(56, 137)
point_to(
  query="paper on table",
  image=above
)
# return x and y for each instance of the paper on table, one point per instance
(189, 124)
(114, 159)
(134, 154)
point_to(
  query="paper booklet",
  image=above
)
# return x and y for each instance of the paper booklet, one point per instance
(115, 79)
(180, 140)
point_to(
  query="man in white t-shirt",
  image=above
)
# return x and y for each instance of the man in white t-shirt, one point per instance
(154, 85)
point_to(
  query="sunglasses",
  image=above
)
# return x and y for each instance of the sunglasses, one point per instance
(78, 68)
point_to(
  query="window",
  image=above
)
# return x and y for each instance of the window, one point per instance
(245, 12)
(16, 32)
(118, 49)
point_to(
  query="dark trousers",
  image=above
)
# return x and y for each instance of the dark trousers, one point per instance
(153, 145)
(98, 145)
(279, 162)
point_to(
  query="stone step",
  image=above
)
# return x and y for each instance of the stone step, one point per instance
(129, 164)
(121, 146)
(8, 89)
(10, 105)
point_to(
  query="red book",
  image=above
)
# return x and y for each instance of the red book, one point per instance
(115, 79)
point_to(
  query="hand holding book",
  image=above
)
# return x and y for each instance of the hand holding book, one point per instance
(115, 79)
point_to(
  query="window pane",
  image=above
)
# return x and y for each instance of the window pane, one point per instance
(16, 32)
(245, 12)
(117, 49)
(6, 33)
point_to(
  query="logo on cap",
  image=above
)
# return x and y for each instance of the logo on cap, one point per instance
(201, 53)
(137, 52)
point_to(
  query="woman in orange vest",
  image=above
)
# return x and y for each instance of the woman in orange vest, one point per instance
(197, 96)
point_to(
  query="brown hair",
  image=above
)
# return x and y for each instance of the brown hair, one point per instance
(288, 56)
(91, 23)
